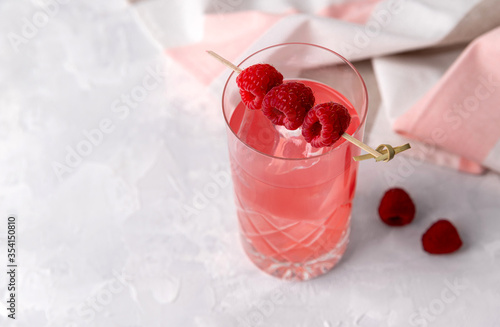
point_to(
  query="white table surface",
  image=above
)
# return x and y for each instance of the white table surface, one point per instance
(104, 236)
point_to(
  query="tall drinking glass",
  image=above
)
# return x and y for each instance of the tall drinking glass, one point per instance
(293, 200)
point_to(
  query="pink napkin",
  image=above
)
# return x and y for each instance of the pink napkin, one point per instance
(461, 114)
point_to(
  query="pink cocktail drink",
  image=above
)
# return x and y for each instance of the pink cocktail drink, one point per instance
(294, 201)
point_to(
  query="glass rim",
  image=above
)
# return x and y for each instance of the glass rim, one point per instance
(345, 143)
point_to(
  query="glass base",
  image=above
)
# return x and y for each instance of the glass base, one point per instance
(297, 271)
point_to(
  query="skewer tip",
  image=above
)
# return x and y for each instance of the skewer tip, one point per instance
(224, 61)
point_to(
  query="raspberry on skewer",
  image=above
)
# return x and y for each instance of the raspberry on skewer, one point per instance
(287, 104)
(325, 123)
(254, 83)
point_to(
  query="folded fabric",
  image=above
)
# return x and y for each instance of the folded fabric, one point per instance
(379, 30)
(402, 80)
(356, 29)
(461, 113)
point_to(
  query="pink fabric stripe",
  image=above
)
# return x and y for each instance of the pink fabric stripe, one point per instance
(355, 12)
(228, 34)
(470, 167)
(461, 113)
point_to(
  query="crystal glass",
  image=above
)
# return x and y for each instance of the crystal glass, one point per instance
(293, 200)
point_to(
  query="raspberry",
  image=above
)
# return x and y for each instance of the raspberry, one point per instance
(396, 208)
(442, 237)
(255, 81)
(325, 123)
(287, 104)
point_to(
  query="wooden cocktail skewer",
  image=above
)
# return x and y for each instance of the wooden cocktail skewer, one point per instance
(379, 154)
(386, 155)
(361, 145)
(225, 62)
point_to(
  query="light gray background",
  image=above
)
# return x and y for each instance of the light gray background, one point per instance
(115, 162)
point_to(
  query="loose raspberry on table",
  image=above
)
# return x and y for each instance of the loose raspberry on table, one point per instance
(396, 208)
(255, 81)
(441, 238)
(287, 104)
(325, 123)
